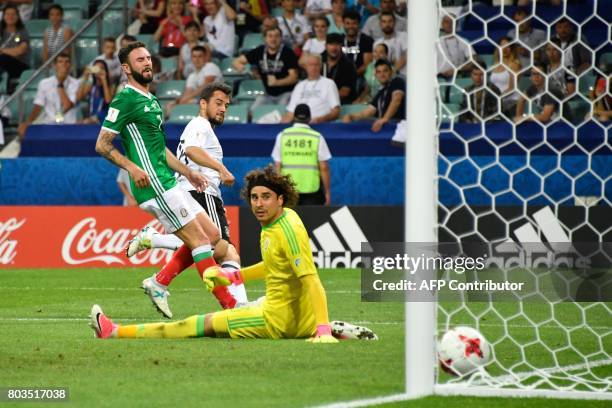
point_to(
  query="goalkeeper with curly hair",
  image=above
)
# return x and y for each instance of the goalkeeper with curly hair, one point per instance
(295, 305)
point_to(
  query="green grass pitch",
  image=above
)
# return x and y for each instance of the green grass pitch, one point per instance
(45, 342)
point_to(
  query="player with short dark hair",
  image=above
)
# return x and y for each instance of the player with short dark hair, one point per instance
(201, 151)
(295, 305)
(137, 116)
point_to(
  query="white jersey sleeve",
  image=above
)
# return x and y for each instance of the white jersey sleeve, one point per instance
(324, 153)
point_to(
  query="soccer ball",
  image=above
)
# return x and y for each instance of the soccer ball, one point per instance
(462, 350)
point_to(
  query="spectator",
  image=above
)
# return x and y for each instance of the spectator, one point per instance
(547, 101)
(219, 28)
(575, 55)
(205, 72)
(372, 85)
(55, 95)
(504, 74)
(109, 57)
(14, 44)
(339, 68)
(602, 99)
(250, 16)
(123, 182)
(558, 76)
(388, 104)
(57, 34)
(150, 13)
(302, 152)
(294, 26)
(395, 41)
(25, 8)
(372, 24)
(365, 8)
(316, 44)
(185, 66)
(319, 93)
(125, 40)
(481, 101)
(170, 30)
(269, 22)
(275, 64)
(336, 18)
(317, 8)
(527, 35)
(97, 87)
(453, 53)
(357, 46)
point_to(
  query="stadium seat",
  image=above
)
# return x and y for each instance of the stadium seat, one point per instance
(455, 94)
(579, 108)
(586, 83)
(453, 107)
(72, 14)
(75, 4)
(36, 27)
(350, 108)
(27, 74)
(276, 12)
(86, 51)
(463, 82)
(249, 89)
(36, 47)
(237, 114)
(170, 89)
(524, 83)
(152, 45)
(168, 64)
(90, 33)
(113, 23)
(606, 59)
(28, 101)
(182, 114)
(118, 5)
(262, 110)
(250, 41)
(228, 69)
(487, 59)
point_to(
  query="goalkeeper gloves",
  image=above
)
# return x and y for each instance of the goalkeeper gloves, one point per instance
(216, 276)
(323, 335)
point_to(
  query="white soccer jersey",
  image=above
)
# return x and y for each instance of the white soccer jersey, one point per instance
(199, 133)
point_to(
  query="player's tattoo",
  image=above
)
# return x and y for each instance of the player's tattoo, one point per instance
(105, 147)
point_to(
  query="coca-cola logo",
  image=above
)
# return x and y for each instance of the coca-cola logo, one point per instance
(84, 243)
(8, 247)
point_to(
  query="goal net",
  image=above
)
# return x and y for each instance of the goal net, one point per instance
(524, 162)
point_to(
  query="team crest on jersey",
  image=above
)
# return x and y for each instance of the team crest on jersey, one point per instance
(266, 244)
(183, 212)
(297, 262)
(112, 114)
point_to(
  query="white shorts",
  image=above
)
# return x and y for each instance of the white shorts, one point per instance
(174, 209)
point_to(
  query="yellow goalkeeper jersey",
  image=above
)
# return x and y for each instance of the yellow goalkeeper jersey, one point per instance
(286, 254)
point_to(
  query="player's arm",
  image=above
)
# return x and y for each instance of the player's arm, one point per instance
(105, 148)
(197, 179)
(202, 158)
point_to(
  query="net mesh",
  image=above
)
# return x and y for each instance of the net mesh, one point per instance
(524, 156)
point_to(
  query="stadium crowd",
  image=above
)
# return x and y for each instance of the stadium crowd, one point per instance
(269, 52)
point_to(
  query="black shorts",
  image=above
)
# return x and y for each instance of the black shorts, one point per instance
(214, 208)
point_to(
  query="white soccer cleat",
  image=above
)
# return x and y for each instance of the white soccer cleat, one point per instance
(141, 241)
(158, 295)
(347, 331)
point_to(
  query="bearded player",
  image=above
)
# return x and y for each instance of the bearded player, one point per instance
(136, 115)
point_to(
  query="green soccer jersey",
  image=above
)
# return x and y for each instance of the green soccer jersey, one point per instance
(138, 117)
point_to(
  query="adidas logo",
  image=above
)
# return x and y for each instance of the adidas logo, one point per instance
(524, 253)
(336, 247)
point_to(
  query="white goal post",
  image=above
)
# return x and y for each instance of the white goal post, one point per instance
(557, 349)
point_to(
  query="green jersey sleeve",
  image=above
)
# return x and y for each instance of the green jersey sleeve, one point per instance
(118, 114)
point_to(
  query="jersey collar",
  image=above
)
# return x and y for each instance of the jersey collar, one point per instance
(148, 94)
(275, 221)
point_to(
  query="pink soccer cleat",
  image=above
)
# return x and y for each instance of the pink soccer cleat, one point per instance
(102, 325)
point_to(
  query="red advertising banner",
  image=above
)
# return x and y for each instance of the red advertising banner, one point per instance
(60, 237)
